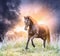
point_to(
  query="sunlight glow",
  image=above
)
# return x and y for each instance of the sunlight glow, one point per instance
(39, 13)
(42, 22)
(18, 29)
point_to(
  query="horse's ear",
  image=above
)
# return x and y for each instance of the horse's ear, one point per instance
(24, 17)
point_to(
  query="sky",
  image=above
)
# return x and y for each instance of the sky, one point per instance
(47, 11)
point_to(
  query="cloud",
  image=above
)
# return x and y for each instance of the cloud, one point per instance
(9, 13)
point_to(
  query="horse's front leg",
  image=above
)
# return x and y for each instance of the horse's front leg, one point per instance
(34, 36)
(27, 42)
(32, 42)
(44, 43)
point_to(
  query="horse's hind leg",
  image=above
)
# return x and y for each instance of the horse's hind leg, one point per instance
(27, 42)
(44, 43)
(32, 42)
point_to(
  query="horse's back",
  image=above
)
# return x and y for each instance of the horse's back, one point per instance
(43, 28)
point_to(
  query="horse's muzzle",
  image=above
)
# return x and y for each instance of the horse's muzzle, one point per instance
(25, 28)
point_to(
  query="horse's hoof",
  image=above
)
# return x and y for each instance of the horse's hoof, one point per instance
(26, 48)
(34, 46)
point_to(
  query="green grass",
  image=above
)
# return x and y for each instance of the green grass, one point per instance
(18, 49)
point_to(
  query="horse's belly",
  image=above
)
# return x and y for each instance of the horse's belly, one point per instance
(31, 33)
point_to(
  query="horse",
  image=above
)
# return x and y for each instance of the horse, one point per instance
(36, 31)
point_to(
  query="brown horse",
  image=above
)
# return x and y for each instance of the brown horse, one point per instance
(36, 31)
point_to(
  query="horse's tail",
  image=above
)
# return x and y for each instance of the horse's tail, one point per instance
(48, 37)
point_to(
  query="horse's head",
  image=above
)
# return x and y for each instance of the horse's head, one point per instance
(26, 21)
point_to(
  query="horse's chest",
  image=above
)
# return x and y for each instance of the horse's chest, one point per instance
(32, 31)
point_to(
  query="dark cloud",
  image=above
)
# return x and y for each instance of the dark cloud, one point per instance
(9, 12)
(10, 7)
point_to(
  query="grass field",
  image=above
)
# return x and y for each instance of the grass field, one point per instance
(17, 48)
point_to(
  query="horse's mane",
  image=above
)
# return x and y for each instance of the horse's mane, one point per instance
(36, 23)
(33, 20)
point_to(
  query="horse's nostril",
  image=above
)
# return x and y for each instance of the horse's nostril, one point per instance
(25, 28)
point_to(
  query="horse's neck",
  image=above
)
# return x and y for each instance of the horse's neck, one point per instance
(31, 24)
